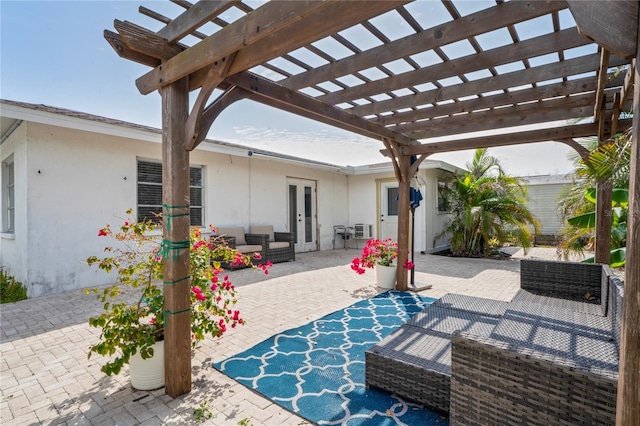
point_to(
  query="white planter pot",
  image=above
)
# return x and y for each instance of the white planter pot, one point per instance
(148, 374)
(386, 276)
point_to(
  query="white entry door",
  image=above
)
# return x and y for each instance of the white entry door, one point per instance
(302, 213)
(389, 210)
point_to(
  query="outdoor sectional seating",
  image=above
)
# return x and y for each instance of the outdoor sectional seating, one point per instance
(548, 357)
(271, 246)
(245, 243)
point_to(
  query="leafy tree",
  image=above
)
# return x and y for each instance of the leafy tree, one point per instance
(610, 161)
(486, 205)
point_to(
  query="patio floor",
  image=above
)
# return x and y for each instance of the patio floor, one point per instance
(46, 378)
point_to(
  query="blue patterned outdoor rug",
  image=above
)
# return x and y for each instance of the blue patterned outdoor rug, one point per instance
(317, 370)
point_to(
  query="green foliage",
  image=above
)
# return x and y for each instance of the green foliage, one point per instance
(134, 315)
(203, 412)
(245, 422)
(487, 208)
(10, 289)
(608, 162)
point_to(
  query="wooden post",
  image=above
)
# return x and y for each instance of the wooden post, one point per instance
(175, 229)
(604, 194)
(628, 405)
(404, 163)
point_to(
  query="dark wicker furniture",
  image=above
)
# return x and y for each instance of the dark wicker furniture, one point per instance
(280, 245)
(550, 357)
(277, 253)
(250, 245)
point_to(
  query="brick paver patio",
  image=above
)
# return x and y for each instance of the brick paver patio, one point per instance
(46, 378)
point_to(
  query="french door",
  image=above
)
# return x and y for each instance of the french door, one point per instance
(302, 213)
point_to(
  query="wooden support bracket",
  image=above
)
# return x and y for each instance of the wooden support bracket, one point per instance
(215, 75)
(213, 110)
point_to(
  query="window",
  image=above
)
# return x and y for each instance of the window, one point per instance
(443, 196)
(150, 192)
(8, 197)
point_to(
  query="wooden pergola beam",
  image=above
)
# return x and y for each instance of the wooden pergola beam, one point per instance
(144, 41)
(525, 113)
(564, 88)
(560, 134)
(193, 18)
(489, 121)
(627, 86)
(613, 24)
(263, 25)
(628, 404)
(269, 93)
(602, 81)
(565, 68)
(125, 52)
(460, 29)
(565, 39)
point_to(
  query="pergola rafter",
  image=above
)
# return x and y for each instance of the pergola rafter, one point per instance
(399, 72)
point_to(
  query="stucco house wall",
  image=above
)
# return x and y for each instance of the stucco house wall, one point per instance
(74, 173)
(70, 182)
(364, 201)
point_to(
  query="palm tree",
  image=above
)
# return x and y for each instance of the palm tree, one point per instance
(610, 161)
(486, 206)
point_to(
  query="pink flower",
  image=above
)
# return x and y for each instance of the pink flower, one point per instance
(198, 293)
(257, 256)
(102, 233)
(199, 244)
(408, 264)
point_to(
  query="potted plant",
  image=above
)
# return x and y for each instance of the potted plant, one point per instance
(132, 321)
(380, 254)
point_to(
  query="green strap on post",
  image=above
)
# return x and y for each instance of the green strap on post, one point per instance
(168, 312)
(176, 281)
(165, 213)
(174, 248)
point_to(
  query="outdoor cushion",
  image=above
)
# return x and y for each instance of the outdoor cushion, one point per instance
(248, 248)
(263, 229)
(236, 231)
(280, 244)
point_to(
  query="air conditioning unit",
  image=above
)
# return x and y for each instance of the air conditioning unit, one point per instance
(363, 231)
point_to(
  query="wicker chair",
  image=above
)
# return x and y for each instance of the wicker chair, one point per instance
(280, 245)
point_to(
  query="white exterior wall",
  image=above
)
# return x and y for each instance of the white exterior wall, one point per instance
(14, 246)
(436, 220)
(70, 183)
(364, 206)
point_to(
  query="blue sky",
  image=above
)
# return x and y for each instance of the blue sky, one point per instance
(54, 53)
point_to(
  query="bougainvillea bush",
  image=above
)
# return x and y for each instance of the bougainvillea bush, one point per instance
(378, 252)
(133, 317)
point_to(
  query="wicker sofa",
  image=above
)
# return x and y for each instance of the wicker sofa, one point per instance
(245, 243)
(549, 357)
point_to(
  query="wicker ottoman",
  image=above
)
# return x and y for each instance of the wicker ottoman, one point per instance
(413, 363)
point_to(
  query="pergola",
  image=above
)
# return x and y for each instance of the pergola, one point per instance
(401, 72)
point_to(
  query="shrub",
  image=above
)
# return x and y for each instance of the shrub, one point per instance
(10, 289)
